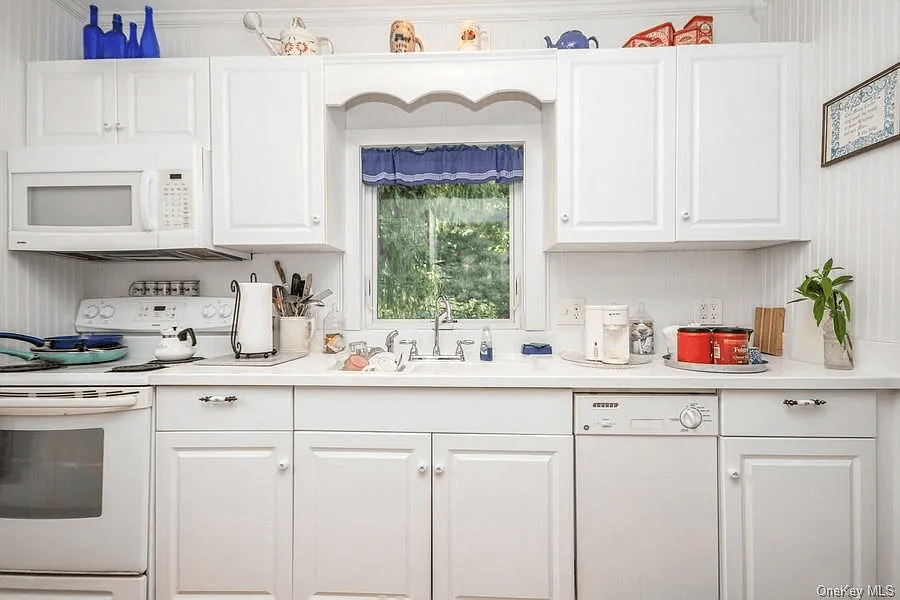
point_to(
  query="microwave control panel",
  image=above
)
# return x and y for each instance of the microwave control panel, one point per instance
(176, 200)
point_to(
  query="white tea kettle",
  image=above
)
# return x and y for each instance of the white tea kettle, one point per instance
(176, 345)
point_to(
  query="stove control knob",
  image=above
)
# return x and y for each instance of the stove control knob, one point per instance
(209, 311)
(690, 418)
(91, 311)
(225, 311)
(107, 310)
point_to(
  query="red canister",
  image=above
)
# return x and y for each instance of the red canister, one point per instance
(730, 345)
(695, 345)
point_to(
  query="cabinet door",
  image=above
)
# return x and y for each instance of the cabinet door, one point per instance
(503, 517)
(71, 103)
(163, 101)
(268, 151)
(616, 146)
(223, 506)
(738, 142)
(796, 514)
(362, 515)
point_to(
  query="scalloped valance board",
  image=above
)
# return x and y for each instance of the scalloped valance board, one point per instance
(410, 77)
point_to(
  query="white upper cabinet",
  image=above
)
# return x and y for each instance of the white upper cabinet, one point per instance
(738, 153)
(268, 118)
(615, 150)
(79, 103)
(686, 144)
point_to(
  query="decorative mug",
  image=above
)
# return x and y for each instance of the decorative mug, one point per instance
(403, 37)
(472, 37)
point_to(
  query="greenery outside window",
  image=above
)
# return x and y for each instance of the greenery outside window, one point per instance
(457, 240)
(447, 240)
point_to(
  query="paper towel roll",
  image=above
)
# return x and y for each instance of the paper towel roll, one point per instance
(254, 320)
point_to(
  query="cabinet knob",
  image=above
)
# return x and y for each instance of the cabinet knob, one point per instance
(119, 126)
(564, 217)
(438, 469)
(685, 215)
(283, 464)
(107, 127)
(734, 474)
(423, 467)
(316, 219)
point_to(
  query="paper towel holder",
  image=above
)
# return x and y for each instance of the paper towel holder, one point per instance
(235, 344)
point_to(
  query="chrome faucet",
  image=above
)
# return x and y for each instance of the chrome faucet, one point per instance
(444, 316)
(389, 340)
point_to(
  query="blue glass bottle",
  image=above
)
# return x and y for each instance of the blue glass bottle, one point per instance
(132, 47)
(149, 43)
(92, 37)
(114, 40)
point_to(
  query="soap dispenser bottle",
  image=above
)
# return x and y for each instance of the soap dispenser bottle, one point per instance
(486, 351)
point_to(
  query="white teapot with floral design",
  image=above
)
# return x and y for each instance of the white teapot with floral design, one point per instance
(297, 40)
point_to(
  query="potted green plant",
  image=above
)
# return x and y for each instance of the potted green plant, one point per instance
(825, 291)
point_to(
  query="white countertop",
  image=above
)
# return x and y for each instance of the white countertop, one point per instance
(516, 371)
(507, 371)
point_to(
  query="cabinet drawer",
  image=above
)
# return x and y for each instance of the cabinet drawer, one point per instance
(227, 408)
(798, 413)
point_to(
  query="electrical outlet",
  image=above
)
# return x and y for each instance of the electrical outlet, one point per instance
(714, 314)
(571, 311)
(708, 311)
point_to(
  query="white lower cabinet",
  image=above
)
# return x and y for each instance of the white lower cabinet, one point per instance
(223, 498)
(431, 515)
(797, 513)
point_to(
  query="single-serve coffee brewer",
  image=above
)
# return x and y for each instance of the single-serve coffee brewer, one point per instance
(607, 333)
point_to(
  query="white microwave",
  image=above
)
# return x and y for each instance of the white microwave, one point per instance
(113, 203)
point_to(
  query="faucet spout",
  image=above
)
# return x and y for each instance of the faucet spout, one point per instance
(444, 315)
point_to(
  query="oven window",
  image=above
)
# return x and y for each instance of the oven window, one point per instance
(53, 474)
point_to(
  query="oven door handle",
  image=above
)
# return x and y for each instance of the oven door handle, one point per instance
(67, 406)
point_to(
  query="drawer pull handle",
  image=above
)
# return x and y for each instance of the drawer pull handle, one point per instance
(810, 402)
(218, 398)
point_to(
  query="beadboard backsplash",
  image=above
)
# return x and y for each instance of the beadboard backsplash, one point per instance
(847, 203)
(40, 293)
(854, 205)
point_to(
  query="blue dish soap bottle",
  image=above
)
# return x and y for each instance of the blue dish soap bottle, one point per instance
(114, 40)
(486, 351)
(132, 47)
(92, 37)
(149, 43)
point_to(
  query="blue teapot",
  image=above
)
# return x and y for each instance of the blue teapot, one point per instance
(571, 40)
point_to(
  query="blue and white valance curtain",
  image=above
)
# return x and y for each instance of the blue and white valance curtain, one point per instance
(442, 164)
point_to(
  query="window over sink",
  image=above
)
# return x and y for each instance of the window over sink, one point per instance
(511, 210)
(441, 221)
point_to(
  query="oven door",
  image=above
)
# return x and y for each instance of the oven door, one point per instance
(74, 480)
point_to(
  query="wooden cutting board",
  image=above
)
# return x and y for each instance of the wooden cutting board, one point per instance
(768, 330)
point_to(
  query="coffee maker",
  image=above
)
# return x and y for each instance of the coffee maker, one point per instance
(606, 333)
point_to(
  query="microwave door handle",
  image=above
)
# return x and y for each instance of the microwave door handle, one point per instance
(149, 200)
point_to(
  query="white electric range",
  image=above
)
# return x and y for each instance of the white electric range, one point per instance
(140, 320)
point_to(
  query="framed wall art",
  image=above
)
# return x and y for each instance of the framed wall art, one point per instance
(862, 118)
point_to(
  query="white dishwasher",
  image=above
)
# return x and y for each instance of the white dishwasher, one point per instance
(646, 499)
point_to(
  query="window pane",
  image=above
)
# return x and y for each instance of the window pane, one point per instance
(444, 239)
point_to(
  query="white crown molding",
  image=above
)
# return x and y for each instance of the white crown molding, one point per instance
(495, 12)
(77, 8)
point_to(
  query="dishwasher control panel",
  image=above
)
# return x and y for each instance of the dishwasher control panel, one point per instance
(646, 414)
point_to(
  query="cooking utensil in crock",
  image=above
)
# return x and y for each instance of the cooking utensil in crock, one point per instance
(67, 342)
(71, 357)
